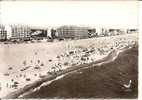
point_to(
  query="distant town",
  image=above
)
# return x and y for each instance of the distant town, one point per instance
(22, 33)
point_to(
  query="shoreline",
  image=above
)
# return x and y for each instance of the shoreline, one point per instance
(48, 78)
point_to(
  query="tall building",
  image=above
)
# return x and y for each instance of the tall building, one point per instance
(20, 31)
(72, 32)
(9, 31)
(3, 33)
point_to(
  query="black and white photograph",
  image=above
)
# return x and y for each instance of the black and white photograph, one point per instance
(69, 49)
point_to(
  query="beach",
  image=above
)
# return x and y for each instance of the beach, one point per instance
(23, 64)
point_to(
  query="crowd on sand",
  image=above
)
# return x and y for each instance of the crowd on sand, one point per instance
(74, 57)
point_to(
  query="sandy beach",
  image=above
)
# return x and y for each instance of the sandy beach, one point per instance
(23, 64)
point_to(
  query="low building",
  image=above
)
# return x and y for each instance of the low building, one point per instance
(92, 32)
(112, 31)
(129, 31)
(39, 32)
(115, 31)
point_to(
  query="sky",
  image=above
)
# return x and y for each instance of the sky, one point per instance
(54, 13)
